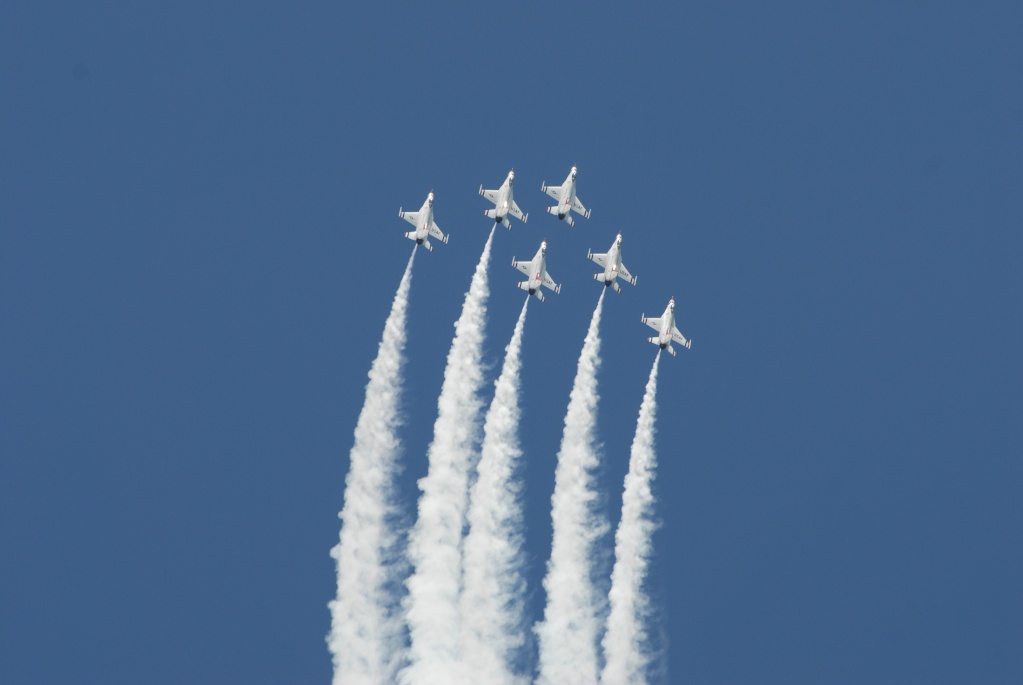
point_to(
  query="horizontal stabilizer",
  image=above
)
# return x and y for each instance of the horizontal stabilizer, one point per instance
(671, 350)
(427, 245)
(411, 235)
(618, 288)
(492, 213)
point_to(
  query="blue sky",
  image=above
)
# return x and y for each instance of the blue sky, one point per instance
(199, 242)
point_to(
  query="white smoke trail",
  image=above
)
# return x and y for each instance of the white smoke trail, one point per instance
(625, 640)
(435, 544)
(366, 634)
(568, 633)
(492, 599)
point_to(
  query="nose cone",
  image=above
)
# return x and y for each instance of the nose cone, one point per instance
(429, 198)
(511, 175)
(574, 171)
(543, 247)
(619, 238)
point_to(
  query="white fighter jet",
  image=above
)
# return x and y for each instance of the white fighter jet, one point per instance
(566, 199)
(613, 267)
(666, 331)
(504, 202)
(536, 273)
(424, 223)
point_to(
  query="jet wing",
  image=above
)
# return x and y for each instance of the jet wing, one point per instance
(553, 191)
(549, 282)
(516, 212)
(600, 259)
(522, 266)
(624, 273)
(654, 322)
(679, 338)
(436, 232)
(489, 194)
(578, 207)
(411, 217)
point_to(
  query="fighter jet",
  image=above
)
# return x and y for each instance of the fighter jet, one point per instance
(536, 273)
(424, 223)
(666, 331)
(567, 201)
(504, 202)
(613, 267)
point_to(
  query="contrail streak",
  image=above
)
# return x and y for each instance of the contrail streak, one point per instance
(435, 544)
(492, 599)
(626, 638)
(366, 633)
(568, 633)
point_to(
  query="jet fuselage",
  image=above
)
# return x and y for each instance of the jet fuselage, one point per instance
(425, 220)
(567, 195)
(667, 325)
(614, 262)
(505, 197)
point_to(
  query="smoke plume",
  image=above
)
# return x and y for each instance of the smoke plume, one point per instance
(435, 543)
(568, 633)
(491, 604)
(625, 640)
(365, 637)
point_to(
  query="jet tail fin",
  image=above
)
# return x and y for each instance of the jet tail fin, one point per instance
(668, 347)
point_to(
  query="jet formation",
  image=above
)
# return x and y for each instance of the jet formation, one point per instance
(535, 269)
